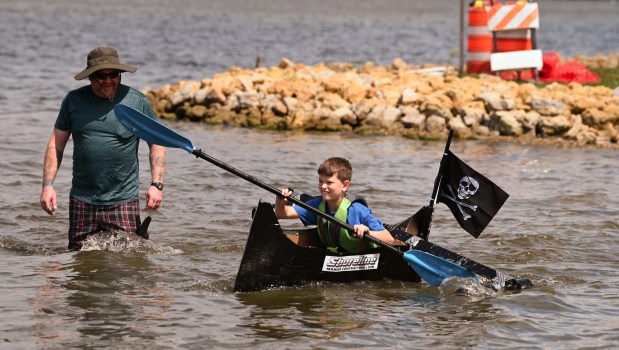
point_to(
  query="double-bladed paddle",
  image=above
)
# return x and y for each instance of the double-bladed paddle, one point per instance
(432, 267)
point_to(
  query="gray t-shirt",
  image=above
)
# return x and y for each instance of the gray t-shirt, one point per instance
(105, 154)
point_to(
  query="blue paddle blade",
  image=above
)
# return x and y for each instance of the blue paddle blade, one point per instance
(149, 129)
(433, 269)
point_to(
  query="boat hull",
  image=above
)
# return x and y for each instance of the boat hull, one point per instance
(272, 259)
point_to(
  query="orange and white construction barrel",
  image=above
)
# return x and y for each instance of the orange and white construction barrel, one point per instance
(511, 23)
(479, 39)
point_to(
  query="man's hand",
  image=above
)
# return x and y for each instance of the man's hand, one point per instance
(48, 199)
(154, 197)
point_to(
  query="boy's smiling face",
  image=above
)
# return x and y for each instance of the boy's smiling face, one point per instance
(332, 189)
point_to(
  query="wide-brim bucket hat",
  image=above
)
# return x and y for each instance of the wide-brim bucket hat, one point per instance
(103, 58)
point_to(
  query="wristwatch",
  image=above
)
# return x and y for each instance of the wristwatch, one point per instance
(159, 185)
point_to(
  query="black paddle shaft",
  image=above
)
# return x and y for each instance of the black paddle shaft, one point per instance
(198, 153)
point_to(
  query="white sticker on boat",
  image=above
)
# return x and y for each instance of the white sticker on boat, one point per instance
(351, 263)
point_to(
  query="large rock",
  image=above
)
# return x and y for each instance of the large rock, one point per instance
(554, 126)
(506, 123)
(395, 99)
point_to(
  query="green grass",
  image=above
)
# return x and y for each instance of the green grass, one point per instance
(609, 76)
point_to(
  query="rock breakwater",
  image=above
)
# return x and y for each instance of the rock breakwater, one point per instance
(421, 102)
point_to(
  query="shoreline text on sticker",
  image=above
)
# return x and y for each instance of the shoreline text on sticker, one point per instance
(351, 263)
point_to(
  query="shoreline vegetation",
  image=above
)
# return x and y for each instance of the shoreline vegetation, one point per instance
(417, 102)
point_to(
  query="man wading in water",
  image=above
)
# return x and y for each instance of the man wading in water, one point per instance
(105, 187)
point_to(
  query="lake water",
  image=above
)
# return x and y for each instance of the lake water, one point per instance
(559, 227)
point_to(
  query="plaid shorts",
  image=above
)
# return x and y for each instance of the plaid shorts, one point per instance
(86, 219)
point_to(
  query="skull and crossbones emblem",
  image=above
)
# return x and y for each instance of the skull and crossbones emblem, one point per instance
(467, 187)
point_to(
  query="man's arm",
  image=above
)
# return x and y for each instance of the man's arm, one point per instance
(51, 164)
(154, 196)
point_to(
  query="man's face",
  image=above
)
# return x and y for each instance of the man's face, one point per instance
(105, 82)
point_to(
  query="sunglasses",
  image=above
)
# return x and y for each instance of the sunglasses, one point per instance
(103, 76)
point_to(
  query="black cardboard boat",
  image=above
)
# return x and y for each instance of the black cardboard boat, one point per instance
(276, 257)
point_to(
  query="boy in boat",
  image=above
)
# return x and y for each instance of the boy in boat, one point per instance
(334, 177)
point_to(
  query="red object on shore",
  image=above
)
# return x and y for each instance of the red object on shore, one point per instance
(567, 72)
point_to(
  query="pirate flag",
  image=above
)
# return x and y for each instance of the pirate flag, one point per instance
(473, 199)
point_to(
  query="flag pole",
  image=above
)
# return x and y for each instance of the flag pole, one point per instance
(425, 231)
